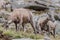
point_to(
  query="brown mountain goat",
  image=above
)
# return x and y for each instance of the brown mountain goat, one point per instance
(21, 16)
(42, 21)
(52, 26)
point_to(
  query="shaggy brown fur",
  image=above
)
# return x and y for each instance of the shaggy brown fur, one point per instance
(52, 26)
(41, 23)
(21, 16)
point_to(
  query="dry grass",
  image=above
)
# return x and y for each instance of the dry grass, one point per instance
(21, 34)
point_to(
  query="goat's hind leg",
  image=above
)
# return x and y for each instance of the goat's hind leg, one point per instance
(23, 27)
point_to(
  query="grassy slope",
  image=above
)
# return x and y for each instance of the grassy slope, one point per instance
(21, 34)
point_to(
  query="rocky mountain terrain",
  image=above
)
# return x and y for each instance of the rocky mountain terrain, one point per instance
(38, 7)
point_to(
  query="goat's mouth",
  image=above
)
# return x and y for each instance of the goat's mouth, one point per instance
(4, 25)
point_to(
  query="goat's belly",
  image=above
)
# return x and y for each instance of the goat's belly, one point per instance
(26, 19)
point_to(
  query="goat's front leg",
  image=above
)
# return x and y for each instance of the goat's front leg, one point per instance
(20, 24)
(38, 28)
(16, 26)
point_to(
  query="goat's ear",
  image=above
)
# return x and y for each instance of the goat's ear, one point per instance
(11, 9)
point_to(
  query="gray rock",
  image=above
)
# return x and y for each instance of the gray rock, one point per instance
(28, 4)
